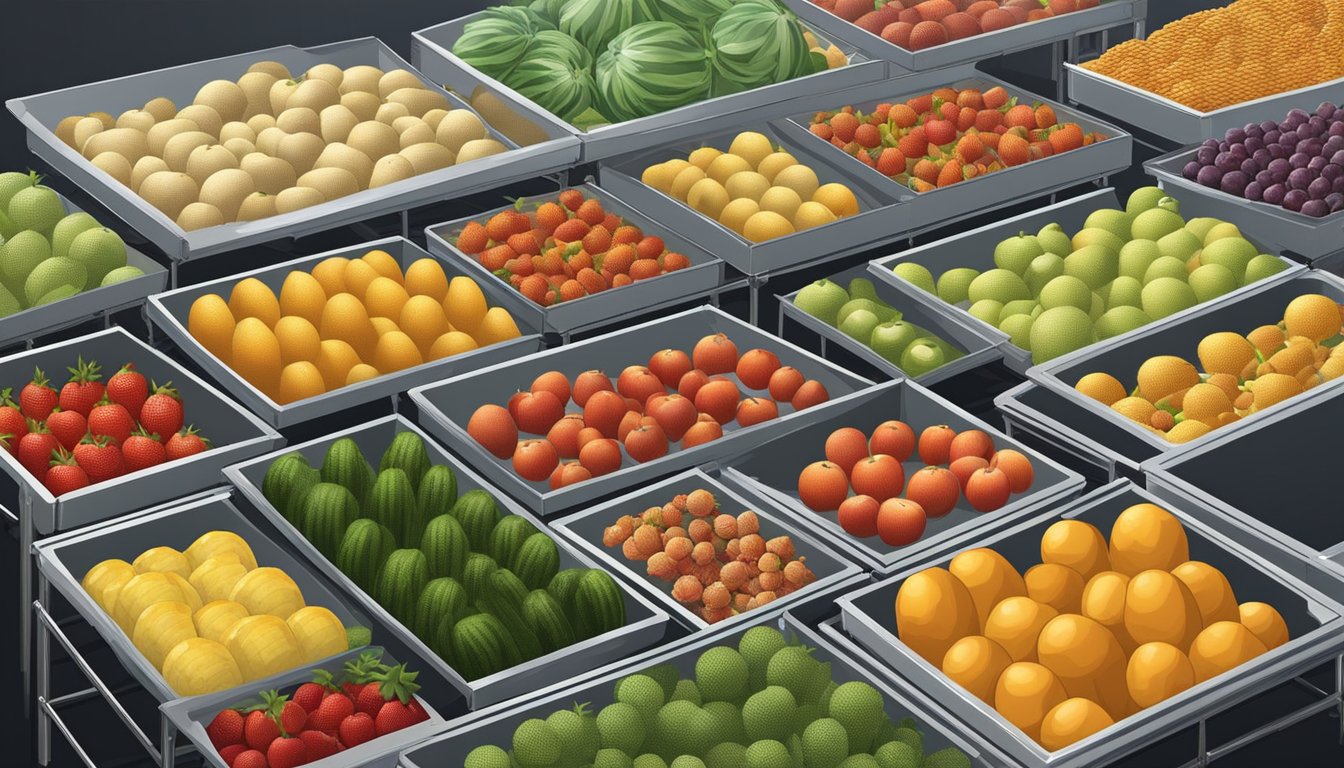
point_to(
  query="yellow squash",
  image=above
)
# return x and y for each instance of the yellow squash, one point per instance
(268, 591)
(263, 645)
(196, 666)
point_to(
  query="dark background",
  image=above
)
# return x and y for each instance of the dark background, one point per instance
(62, 43)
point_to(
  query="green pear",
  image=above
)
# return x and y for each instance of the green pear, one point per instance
(1042, 270)
(882, 313)
(1200, 226)
(1015, 253)
(1211, 281)
(1110, 219)
(1261, 267)
(822, 300)
(921, 356)
(862, 288)
(1001, 285)
(1231, 252)
(891, 338)
(1221, 230)
(1095, 265)
(1018, 307)
(859, 325)
(1136, 256)
(1059, 331)
(1018, 328)
(1066, 291)
(1054, 239)
(1124, 291)
(915, 274)
(1180, 244)
(1118, 320)
(1168, 267)
(1166, 296)
(1156, 223)
(1143, 199)
(987, 310)
(1098, 236)
(954, 284)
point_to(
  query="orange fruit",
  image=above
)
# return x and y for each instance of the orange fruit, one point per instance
(1164, 375)
(253, 298)
(335, 358)
(383, 325)
(361, 372)
(299, 381)
(344, 318)
(496, 326)
(1102, 387)
(394, 352)
(211, 323)
(449, 344)
(358, 274)
(385, 297)
(1225, 352)
(298, 339)
(423, 320)
(1313, 316)
(384, 264)
(330, 274)
(302, 295)
(425, 277)
(256, 355)
(838, 198)
(465, 305)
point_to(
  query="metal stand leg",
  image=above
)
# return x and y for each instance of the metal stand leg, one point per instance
(406, 224)
(1140, 29)
(167, 742)
(26, 536)
(754, 285)
(1057, 68)
(43, 673)
(172, 274)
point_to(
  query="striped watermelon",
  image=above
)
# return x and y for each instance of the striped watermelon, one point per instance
(595, 23)
(443, 596)
(445, 546)
(407, 452)
(328, 510)
(651, 68)
(404, 577)
(438, 491)
(509, 585)
(547, 619)
(508, 537)
(537, 561)
(758, 43)
(496, 40)
(392, 502)
(477, 572)
(499, 600)
(477, 647)
(698, 16)
(344, 465)
(564, 585)
(288, 479)
(364, 549)
(556, 74)
(477, 512)
(599, 606)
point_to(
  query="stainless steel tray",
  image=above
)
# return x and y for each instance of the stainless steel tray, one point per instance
(703, 275)
(191, 716)
(1113, 13)
(1178, 123)
(496, 727)
(1045, 416)
(976, 249)
(978, 349)
(1261, 304)
(40, 114)
(169, 312)
(880, 218)
(584, 530)
(773, 467)
(645, 622)
(234, 433)
(431, 51)
(446, 408)
(64, 560)
(1313, 619)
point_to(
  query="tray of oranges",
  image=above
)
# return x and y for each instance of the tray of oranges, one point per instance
(324, 333)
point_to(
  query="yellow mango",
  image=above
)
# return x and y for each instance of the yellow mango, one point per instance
(1223, 646)
(1159, 608)
(1088, 661)
(105, 575)
(214, 619)
(162, 560)
(161, 627)
(1078, 545)
(268, 591)
(196, 666)
(1058, 586)
(1071, 721)
(988, 577)
(319, 633)
(1156, 672)
(975, 663)
(933, 611)
(1145, 537)
(1015, 623)
(1212, 593)
(263, 645)
(214, 579)
(1024, 694)
(214, 543)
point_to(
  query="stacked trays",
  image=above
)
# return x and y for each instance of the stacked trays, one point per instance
(169, 311)
(41, 113)
(585, 530)
(1314, 623)
(235, 433)
(703, 275)
(772, 469)
(431, 52)
(1283, 521)
(645, 623)
(446, 408)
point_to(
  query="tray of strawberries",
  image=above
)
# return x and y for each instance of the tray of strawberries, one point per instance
(359, 714)
(88, 439)
(582, 258)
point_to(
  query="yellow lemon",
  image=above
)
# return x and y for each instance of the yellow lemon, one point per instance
(256, 354)
(384, 264)
(681, 186)
(702, 157)
(1272, 389)
(748, 184)
(660, 176)
(335, 358)
(839, 198)
(299, 381)
(330, 274)
(1205, 402)
(423, 320)
(1102, 387)
(344, 318)
(735, 214)
(799, 178)
(425, 277)
(708, 197)
(465, 305)
(752, 147)
(496, 326)
(385, 297)
(395, 351)
(1165, 375)
(302, 295)
(253, 298)
(358, 275)
(811, 214)
(781, 200)
(361, 372)
(724, 166)
(298, 339)
(211, 323)
(766, 225)
(449, 344)
(774, 163)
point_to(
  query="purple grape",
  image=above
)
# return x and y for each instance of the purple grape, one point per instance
(1310, 147)
(1264, 178)
(1315, 208)
(1300, 178)
(1224, 145)
(1262, 157)
(1254, 132)
(1331, 172)
(1299, 160)
(1336, 128)
(1209, 176)
(1275, 193)
(1234, 183)
(1250, 167)
(1254, 144)
(1254, 192)
(1332, 145)
(1317, 189)
(1316, 164)
(1272, 136)
(1239, 152)
(1279, 165)
(1338, 184)
(1236, 135)
(1317, 125)
(1269, 125)
(1206, 155)
(1337, 158)
(1326, 110)
(1277, 150)
(1226, 162)
(1295, 199)
(1210, 143)
(1335, 200)
(1191, 170)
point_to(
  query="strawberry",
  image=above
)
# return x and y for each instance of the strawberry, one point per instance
(84, 389)
(35, 449)
(252, 758)
(142, 450)
(319, 745)
(287, 752)
(111, 419)
(12, 422)
(334, 708)
(357, 729)
(231, 753)
(359, 672)
(69, 427)
(162, 411)
(65, 475)
(185, 443)
(397, 687)
(128, 388)
(309, 695)
(369, 700)
(226, 729)
(395, 716)
(100, 458)
(260, 729)
(292, 717)
(37, 398)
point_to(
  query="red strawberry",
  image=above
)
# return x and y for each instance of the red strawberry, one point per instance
(309, 696)
(65, 475)
(287, 752)
(329, 714)
(84, 389)
(260, 729)
(68, 426)
(12, 422)
(359, 672)
(394, 716)
(142, 450)
(36, 399)
(231, 753)
(100, 457)
(370, 700)
(319, 745)
(252, 758)
(397, 687)
(186, 443)
(128, 388)
(162, 411)
(226, 729)
(292, 717)
(35, 450)
(111, 419)
(357, 729)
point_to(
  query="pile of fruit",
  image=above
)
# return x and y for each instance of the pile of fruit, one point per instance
(47, 255)
(719, 565)
(601, 61)
(675, 398)
(566, 249)
(274, 142)
(1211, 59)
(765, 704)
(861, 315)
(755, 189)
(1053, 294)
(949, 136)
(1089, 636)
(483, 590)
(1242, 375)
(956, 464)
(366, 700)
(89, 432)
(1297, 164)
(919, 24)
(347, 321)
(209, 619)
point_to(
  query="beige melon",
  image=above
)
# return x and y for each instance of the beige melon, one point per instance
(199, 215)
(388, 113)
(169, 191)
(395, 80)
(261, 122)
(299, 120)
(65, 130)
(179, 148)
(109, 122)
(138, 119)
(360, 77)
(159, 135)
(268, 140)
(428, 157)
(297, 198)
(433, 117)
(300, 150)
(240, 147)
(257, 205)
(335, 123)
(204, 116)
(237, 130)
(162, 108)
(316, 95)
(331, 182)
(362, 103)
(418, 99)
(345, 156)
(390, 169)
(329, 72)
(85, 129)
(205, 160)
(373, 138)
(256, 87)
(279, 94)
(127, 142)
(226, 189)
(475, 150)
(226, 97)
(115, 165)
(143, 168)
(457, 128)
(401, 124)
(420, 133)
(271, 174)
(273, 68)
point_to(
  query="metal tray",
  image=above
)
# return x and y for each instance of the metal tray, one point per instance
(1113, 13)
(977, 348)
(234, 433)
(772, 468)
(976, 249)
(584, 529)
(446, 408)
(1279, 521)
(880, 220)
(36, 321)
(190, 717)
(703, 275)
(645, 623)
(169, 312)
(431, 51)
(496, 727)
(1313, 620)
(40, 114)
(1178, 123)
(1309, 238)
(64, 560)
(1261, 304)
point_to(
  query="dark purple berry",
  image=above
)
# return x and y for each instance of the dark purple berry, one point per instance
(1335, 200)
(1206, 155)
(1316, 164)
(1299, 160)
(1277, 150)
(1211, 144)
(1300, 178)
(1254, 192)
(1254, 144)
(1275, 193)
(1319, 188)
(1191, 170)
(1209, 176)
(1262, 157)
(1316, 209)
(1234, 183)
(1264, 178)
(1249, 167)
(1273, 135)
(1295, 199)
(1326, 110)
(1331, 172)
(1227, 162)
